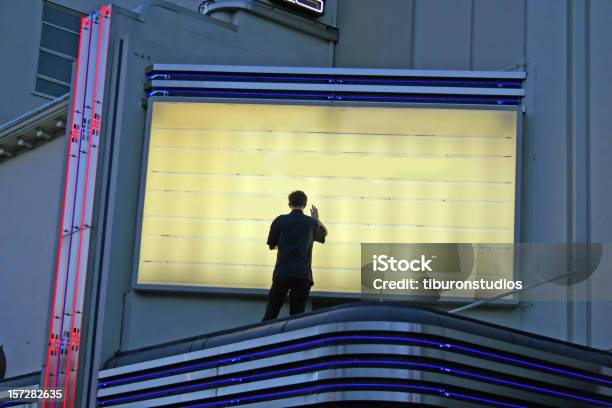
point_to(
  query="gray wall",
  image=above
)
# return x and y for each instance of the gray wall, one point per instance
(30, 189)
(29, 211)
(20, 22)
(547, 38)
(567, 145)
(18, 75)
(599, 130)
(566, 195)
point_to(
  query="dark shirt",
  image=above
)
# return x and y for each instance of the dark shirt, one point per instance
(294, 234)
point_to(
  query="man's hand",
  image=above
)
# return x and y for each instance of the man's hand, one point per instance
(321, 231)
(314, 212)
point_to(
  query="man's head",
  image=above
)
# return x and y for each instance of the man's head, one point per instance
(297, 200)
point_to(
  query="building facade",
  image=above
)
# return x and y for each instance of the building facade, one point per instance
(563, 194)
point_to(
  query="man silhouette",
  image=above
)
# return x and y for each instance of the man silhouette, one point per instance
(293, 235)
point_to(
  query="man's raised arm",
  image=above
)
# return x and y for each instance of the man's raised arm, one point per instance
(274, 235)
(321, 231)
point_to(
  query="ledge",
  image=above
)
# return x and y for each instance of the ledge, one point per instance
(34, 128)
(365, 312)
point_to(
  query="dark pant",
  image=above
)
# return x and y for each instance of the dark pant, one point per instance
(298, 293)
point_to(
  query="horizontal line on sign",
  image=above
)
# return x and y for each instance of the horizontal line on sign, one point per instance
(329, 197)
(334, 153)
(368, 179)
(306, 132)
(269, 221)
(261, 240)
(220, 265)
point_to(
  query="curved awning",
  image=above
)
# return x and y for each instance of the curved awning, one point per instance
(376, 352)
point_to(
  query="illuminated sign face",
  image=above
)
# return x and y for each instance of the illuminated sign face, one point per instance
(309, 6)
(217, 174)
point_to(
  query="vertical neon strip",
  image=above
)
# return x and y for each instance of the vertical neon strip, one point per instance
(74, 200)
(59, 251)
(71, 268)
(92, 128)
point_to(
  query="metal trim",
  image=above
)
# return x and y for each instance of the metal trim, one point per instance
(338, 71)
(356, 326)
(370, 373)
(339, 351)
(382, 89)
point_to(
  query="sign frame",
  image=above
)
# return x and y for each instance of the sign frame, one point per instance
(262, 293)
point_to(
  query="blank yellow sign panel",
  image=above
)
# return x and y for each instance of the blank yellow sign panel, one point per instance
(219, 173)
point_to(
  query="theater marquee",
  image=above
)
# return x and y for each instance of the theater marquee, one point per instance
(216, 175)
